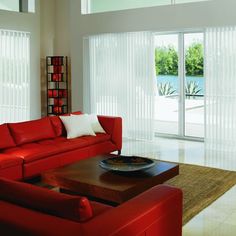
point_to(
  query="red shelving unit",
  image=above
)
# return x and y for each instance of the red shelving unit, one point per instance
(57, 85)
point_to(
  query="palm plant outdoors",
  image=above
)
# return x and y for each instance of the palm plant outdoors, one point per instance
(192, 88)
(165, 89)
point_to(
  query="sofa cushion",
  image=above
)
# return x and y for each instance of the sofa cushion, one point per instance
(63, 144)
(7, 161)
(77, 126)
(74, 208)
(93, 120)
(30, 131)
(97, 128)
(32, 151)
(99, 138)
(57, 124)
(35, 151)
(6, 139)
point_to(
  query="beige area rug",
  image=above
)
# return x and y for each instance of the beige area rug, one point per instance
(201, 186)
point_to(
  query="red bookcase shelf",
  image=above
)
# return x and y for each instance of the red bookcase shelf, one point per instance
(57, 85)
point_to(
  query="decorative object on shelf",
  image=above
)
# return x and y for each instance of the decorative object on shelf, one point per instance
(127, 163)
(57, 85)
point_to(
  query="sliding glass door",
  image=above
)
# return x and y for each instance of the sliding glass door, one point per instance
(167, 96)
(179, 101)
(194, 85)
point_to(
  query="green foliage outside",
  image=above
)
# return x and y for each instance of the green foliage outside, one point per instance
(165, 89)
(166, 60)
(194, 60)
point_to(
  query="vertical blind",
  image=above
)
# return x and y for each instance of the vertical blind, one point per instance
(14, 76)
(220, 137)
(119, 79)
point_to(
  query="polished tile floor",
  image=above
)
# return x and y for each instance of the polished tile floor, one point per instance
(219, 219)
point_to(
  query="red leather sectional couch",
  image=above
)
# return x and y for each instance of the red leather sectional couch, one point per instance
(28, 148)
(29, 210)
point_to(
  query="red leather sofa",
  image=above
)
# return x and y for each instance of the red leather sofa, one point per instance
(33, 211)
(28, 148)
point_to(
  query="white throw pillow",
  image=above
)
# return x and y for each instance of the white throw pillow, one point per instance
(93, 119)
(77, 126)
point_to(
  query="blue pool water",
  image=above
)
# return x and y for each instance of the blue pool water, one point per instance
(174, 81)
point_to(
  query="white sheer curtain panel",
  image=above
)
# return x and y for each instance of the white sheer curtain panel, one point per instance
(220, 69)
(119, 79)
(14, 76)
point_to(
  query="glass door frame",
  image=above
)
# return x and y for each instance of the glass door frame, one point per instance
(182, 78)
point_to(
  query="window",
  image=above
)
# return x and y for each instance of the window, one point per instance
(179, 102)
(14, 76)
(12, 5)
(18, 5)
(31, 5)
(95, 6)
(187, 1)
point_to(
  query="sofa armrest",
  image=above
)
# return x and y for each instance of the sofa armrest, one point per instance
(113, 126)
(8, 160)
(157, 211)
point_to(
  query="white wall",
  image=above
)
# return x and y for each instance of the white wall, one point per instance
(55, 35)
(47, 27)
(31, 23)
(54, 38)
(163, 18)
(62, 44)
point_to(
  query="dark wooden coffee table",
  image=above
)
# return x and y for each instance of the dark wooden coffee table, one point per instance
(87, 178)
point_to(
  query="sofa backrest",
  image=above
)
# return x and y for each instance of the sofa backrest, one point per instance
(31, 131)
(57, 125)
(6, 140)
(13, 134)
(70, 207)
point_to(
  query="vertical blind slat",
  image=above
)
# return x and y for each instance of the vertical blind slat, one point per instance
(121, 75)
(14, 76)
(220, 139)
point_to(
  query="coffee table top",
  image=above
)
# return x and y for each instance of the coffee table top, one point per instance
(87, 178)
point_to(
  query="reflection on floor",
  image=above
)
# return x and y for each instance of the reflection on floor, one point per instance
(219, 219)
